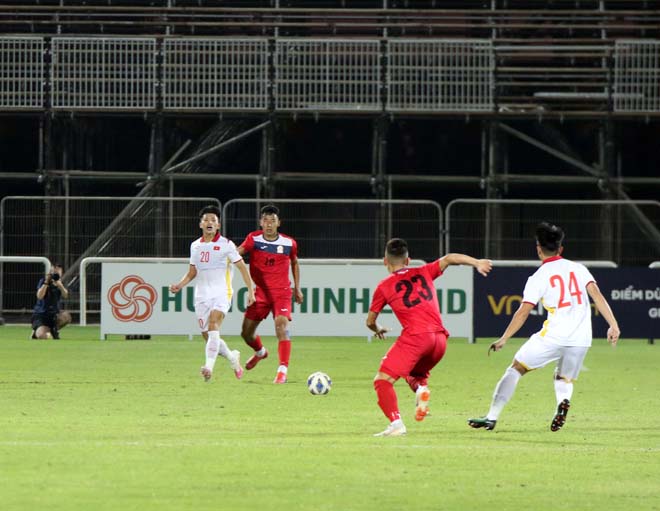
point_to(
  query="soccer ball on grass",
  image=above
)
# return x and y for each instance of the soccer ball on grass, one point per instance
(319, 383)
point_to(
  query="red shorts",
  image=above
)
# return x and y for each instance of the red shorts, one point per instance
(414, 355)
(277, 301)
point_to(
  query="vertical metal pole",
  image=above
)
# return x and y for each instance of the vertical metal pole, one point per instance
(606, 157)
(492, 135)
(379, 149)
(265, 184)
(171, 219)
(46, 123)
(2, 252)
(67, 223)
(267, 161)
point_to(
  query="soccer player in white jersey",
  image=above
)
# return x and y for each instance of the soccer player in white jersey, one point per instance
(211, 260)
(562, 287)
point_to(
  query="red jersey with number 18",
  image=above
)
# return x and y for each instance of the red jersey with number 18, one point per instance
(270, 260)
(410, 293)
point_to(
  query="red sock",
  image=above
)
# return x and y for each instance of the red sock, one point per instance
(387, 399)
(414, 382)
(284, 351)
(255, 343)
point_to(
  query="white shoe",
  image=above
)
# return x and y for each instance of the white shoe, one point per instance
(422, 408)
(236, 364)
(392, 430)
(206, 373)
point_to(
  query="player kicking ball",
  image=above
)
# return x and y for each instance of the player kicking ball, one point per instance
(212, 258)
(411, 294)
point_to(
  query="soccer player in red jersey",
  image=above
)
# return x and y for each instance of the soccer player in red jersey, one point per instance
(272, 254)
(411, 295)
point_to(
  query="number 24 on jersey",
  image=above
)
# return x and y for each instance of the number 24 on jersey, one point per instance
(573, 289)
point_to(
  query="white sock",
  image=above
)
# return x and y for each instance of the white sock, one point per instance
(214, 347)
(261, 352)
(563, 390)
(503, 392)
(397, 423)
(419, 390)
(282, 369)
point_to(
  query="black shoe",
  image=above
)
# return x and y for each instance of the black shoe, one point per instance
(482, 422)
(560, 416)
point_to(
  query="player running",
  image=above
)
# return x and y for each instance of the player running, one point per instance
(271, 255)
(560, 285)
(411, 294)
(210, 258)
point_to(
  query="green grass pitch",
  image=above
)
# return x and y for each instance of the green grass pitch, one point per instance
(130, 425)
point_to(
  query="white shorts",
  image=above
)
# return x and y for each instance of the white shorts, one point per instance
(203, 310)
(536, 353)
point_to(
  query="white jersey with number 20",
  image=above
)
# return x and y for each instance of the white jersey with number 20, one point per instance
(213, 260)
(561, 286)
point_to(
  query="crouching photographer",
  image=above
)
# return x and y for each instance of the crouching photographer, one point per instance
(48, 318)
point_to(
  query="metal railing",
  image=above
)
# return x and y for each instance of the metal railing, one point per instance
(637, 76)
(290, 75)
(626, 232)
(440, 75)
(114, 73)
(215, 74)
(561, 19)
(327, 74)
(67, 229)
(21, 72)
(344, 228)
(22, 260)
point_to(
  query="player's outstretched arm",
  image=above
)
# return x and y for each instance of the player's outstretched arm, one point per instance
(483, 266)
(247, 279)
(372, 325)
(192, 273)
(603, 307)
(516, 323)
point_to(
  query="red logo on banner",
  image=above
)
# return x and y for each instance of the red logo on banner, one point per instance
(132, 299)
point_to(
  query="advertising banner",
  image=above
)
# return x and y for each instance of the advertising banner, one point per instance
(136, 300)
(633, 294)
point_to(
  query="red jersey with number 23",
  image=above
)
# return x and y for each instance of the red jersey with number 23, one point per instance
(411, 294)
(270, 260)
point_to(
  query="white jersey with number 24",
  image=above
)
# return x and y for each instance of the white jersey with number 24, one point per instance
(561, 286)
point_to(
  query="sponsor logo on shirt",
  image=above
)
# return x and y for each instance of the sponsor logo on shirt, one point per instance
(216, 248)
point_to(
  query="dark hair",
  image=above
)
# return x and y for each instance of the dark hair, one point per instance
(396, 248)
(270, 209)
(549, 237)
(213, 210)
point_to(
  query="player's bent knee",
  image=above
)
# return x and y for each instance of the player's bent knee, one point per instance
(384, 376)
(519, 367)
